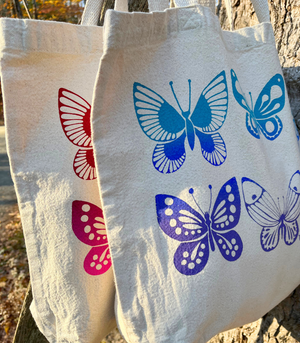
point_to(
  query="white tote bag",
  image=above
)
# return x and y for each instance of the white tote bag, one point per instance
(198, 164)
(48, 71)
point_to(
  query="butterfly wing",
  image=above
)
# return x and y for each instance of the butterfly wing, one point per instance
(263, 210)
(169, 157)
(240, 97)
(191, 257)
(225, 217)
(213, 147)
(178, 219)
(182, 223)
(293, 209)
(270, 101)
(89, 227)
(238, 92)
(98, 260)
(75, 113)
(88, 223)
(157, 118)
(211, 109)
(84, 164)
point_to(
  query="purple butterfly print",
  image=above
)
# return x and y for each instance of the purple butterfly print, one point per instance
(200, 232)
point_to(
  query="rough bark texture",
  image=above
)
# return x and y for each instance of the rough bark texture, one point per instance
(282, 324)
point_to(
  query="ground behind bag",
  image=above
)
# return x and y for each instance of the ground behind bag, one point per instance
(199, 168)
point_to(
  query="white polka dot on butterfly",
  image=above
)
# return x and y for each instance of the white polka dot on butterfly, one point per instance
(191, 265)
(84, 218)
(98, 267)
(95, 257)
(178, 231)
(91, 236)
(233, 253)
(231, 218)
(86, 208)
(198, 261)
(168, 212)
(105, 262)
(228, 189)
(231, 197)
(173, 222)
(202, 246)
(87, 229)
(233, 241)
(92, 264)
(169, 201)
(185, 254)
(232, 209)
(183, 262)
(201, 253)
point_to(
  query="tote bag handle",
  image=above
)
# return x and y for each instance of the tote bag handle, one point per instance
(92, 10)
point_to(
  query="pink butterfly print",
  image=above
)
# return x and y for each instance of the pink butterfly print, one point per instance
(75, 114)
(89, 227)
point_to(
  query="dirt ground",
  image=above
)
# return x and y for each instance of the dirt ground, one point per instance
(14, 275)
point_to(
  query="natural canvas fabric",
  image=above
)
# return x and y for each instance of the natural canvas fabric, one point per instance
(199, 168)
(48, 71)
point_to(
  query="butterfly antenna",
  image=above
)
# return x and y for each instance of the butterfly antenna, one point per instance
(191, 191)
(190, 95)
(171, 85)
(210, 187)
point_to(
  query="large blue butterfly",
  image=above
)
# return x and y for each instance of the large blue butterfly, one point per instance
(198, 231)
(163, 124)
(270, 101)
(276, 223)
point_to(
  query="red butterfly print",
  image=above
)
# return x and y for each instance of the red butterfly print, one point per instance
(88, 226)
(75, 114)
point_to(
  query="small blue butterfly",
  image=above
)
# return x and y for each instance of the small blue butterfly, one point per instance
(163, 124)
(276, 223)
(270, 101)
(199, 232)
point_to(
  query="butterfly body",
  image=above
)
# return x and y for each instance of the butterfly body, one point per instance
(276, 223)
(262, 117)
(201, 232)
(170, 128)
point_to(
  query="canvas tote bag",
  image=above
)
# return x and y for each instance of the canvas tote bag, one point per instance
(48, 71)
(198, 164)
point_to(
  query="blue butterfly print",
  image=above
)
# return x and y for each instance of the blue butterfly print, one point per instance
(169, 128)
(200, 232)
(271, 100)
(276, 223)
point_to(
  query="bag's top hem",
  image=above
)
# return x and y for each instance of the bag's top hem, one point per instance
(126, 30)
